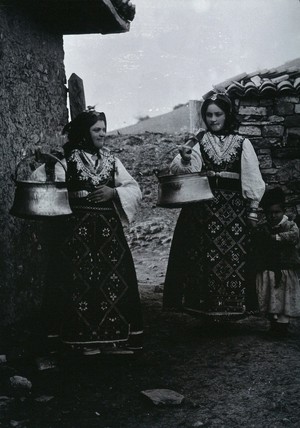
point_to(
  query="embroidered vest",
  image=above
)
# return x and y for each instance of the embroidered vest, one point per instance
(225, 156)
(81, 175)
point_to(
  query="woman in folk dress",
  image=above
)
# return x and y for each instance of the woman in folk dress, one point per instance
(206, 268)
(93, 301)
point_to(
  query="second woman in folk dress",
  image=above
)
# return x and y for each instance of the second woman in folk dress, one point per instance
(206, 268)
(93, 302)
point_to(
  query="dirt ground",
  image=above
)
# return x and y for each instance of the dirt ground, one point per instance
(231, 375)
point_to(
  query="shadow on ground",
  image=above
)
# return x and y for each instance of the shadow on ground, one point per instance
(232, 375)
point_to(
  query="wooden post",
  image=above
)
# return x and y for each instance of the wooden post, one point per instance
(196, 121)
(76, 95)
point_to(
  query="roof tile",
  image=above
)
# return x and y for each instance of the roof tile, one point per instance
(284, 79)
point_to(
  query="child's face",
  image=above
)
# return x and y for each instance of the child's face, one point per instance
(274, 214)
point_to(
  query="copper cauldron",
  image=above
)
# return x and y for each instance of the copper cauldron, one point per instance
(36, 199)
(175, 191)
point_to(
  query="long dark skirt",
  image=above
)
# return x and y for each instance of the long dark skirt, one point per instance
(206, 269)
(94, 284)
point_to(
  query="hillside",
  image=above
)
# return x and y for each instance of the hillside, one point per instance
(176, 121)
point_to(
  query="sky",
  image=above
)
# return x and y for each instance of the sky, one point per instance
(176, 50)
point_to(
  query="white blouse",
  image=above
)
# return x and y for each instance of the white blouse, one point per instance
(253, 186)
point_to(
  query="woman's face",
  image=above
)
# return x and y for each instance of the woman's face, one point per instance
(215, 118)
(98, 132)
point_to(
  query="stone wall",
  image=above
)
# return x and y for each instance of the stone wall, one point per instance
(273, 126)
(32, 112)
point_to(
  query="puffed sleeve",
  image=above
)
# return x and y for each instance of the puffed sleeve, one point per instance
(253, 186)
(129, 193)
(195, 165)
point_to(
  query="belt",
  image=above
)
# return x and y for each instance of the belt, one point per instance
(224, 174)
(224, 180)
(90, 208)
(82, 204)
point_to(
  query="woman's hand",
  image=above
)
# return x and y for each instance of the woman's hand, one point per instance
(101, 194)
(185, 153)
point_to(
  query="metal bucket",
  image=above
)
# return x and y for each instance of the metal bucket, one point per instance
(36, 199)
(175, 191)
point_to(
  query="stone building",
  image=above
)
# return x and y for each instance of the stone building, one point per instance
(33, 110)
(267, 104)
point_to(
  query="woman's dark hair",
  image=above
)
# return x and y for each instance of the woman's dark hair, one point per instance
(224, 103)
(273, 196)
(78, 130)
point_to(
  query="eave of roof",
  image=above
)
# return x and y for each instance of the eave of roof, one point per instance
(282, 80)
(76, 16)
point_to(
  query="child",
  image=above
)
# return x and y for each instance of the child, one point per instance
(277, 282)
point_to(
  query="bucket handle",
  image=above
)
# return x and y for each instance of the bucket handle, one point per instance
(14, 176)
(156, 170)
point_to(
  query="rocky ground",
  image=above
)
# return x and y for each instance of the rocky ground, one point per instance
(228, 375)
